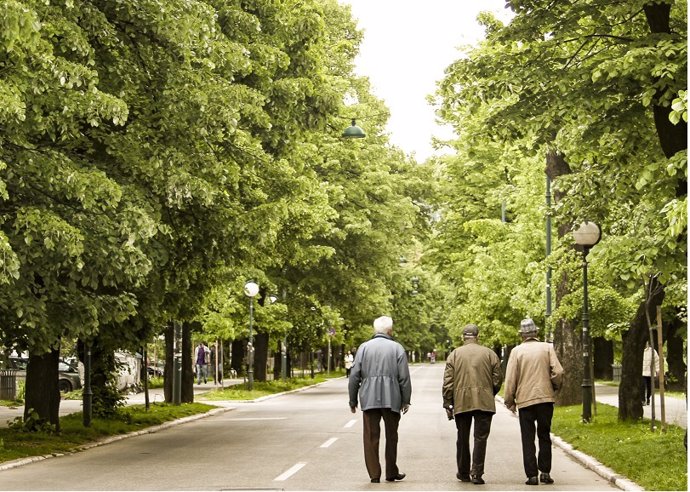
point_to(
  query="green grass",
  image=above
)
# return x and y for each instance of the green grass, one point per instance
(654, 460)
(240, 391)
(16, 444)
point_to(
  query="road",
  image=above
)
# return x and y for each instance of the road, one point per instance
(307, 440)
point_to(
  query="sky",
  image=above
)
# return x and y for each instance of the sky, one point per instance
(406, 48)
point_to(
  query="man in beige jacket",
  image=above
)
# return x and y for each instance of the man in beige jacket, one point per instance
(533, 376)
(470, 381)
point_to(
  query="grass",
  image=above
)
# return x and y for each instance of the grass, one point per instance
(261, 388)
(16, 444)
(653, 460)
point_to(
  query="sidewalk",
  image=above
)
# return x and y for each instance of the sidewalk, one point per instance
(676, 409)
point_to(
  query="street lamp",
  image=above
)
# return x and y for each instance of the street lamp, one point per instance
(251, 290)
(586, 235)
(353, 131)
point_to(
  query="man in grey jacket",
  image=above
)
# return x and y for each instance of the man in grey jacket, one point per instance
(533, 376)
(471, 380)
(380, 377)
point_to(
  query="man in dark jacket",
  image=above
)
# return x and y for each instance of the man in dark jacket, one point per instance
(533, 376)
(380, 377)
(471, 379)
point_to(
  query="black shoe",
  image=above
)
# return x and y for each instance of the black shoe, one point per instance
(477, 480)
(463, 478)
(399, 476)
(532, 481)
(375, 480)
(545, 478)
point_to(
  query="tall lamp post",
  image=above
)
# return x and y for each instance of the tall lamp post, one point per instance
(251, 290)
(586, 235)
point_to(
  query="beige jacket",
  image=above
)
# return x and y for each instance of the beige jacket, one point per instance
(533, 375)
(471, 379)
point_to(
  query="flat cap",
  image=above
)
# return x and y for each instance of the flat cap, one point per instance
(470, 331)
(527, 326)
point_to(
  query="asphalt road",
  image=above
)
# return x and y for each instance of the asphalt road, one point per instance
(307, 440)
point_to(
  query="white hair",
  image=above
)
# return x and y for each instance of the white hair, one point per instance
(383, 324)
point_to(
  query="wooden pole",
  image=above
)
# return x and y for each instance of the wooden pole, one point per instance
(660, 339)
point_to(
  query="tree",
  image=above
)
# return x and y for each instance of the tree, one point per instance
(587, 84)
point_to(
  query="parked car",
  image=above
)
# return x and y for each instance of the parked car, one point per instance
(156, 371)
(68, 375)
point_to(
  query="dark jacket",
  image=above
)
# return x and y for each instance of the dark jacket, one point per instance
(471, 379)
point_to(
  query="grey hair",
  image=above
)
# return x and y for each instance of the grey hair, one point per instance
(383, 324)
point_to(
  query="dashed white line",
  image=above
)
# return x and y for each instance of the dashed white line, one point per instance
(289, 473)
(351, 423)
(329, 442)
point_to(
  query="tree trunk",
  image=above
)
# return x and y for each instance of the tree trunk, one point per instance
(672, 138)
(629, 391)
(603, 358)
(277, 365)
(567, 340)
(568, 345)
(187, 390)
(677, 368)
(260, 356)
(106, 396)
(168, 377)
(42, 393)
(238, 352)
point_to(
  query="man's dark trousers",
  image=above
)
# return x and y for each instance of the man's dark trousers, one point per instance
(541, 413)
(482, 427)
(372, 436)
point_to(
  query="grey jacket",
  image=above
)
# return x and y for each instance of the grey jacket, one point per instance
(380, 375)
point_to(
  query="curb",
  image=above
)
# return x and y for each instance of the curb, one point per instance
(149, 430)
(590, 463)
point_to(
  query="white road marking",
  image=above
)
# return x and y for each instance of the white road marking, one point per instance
(350, 423)
(329, 442)
(289, 473)
(246, 419)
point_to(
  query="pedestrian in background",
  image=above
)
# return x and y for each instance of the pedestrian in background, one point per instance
(647, 374)
(201, 357)
(533, 376)
(349, 360)
(380, 381)
(471, 380)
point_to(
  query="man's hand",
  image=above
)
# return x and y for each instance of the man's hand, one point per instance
(511, 407)
(353, 409)
(405, 408)
(449, 413)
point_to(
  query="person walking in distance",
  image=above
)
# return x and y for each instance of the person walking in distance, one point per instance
(380, 381)
(349, 360)
(201, 359)
(647, 374)
(471, 379)
(533, 376)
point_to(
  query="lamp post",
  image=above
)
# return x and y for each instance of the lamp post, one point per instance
(250, 290)
(586, 235)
